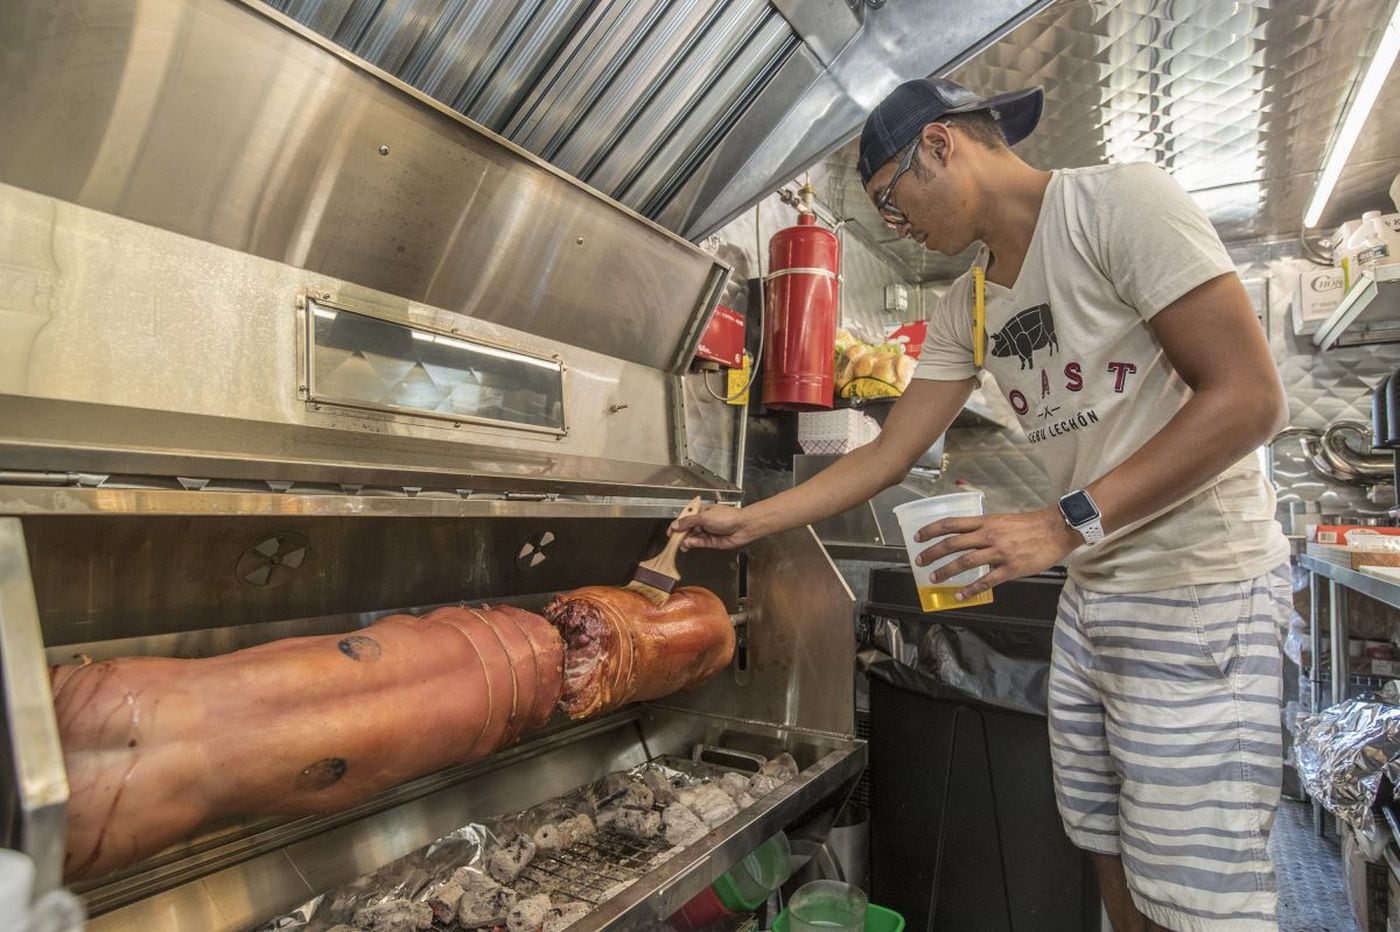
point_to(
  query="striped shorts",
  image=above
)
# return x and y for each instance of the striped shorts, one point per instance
(1166, 743)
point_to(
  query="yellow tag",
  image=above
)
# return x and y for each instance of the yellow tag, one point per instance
(979, 316)
(738, 379)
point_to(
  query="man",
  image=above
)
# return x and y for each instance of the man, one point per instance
(1119, 332)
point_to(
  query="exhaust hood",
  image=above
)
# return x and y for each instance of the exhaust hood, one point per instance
(686, 111)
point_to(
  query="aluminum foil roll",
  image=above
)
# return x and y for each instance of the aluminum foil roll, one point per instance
(1344, 751)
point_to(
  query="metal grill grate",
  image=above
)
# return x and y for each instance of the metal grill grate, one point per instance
(861, 794)
(590, 871)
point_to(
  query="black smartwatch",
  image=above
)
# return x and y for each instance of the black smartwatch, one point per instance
(1083, 515)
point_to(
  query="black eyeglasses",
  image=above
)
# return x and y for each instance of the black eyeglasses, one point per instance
(888, 212)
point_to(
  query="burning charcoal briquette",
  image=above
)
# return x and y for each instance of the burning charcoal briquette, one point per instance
(394, 915)
(485, 904)
(581, 827)
(734, 784)
(444, 902)
(528, 914)
(639, 796)
(562, 917)
(506, 863)
(660, 786)
(639, 823)
(553, 836)
(682, 824)
(783, 766)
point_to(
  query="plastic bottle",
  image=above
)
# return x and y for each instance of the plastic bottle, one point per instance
(1373, 243)
(1339, 245)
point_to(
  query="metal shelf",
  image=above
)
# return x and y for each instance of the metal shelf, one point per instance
(1376, 588)
(1369, 313)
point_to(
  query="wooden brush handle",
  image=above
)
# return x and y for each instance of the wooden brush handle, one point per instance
(665, 561)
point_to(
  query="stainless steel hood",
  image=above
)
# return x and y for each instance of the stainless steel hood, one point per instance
(684, 110)
(236, 254)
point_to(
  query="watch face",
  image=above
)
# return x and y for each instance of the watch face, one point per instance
(1078, 508)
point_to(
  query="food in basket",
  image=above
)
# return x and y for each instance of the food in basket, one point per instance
(865, 370)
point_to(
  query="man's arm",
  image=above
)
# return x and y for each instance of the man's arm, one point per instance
(1213, 340)
(918, 418)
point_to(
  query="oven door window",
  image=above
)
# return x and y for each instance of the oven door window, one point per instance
(365, 362)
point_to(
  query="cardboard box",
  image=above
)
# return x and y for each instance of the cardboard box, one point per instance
(723, 339)
(1389, 668)
(1368, 886)
(1341, 534)
(839, 431)
(1317, 295)
(911, 337)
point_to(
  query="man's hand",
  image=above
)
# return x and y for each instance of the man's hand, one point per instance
(1012, 545)
(719, 527)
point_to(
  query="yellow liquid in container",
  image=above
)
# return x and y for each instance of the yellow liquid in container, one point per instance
(938, 598)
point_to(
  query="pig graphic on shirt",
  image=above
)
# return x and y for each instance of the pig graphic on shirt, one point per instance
(1028, 331)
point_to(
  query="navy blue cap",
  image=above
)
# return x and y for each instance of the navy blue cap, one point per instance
(902, 115)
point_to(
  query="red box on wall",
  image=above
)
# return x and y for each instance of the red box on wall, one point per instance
(723, 340)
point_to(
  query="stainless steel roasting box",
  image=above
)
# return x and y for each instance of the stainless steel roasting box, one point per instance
(286, 346)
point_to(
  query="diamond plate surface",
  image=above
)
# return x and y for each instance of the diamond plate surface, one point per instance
(994, 461)
(1237, 100)
(1311, 893)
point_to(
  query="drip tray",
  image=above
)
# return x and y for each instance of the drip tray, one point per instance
(631, 884)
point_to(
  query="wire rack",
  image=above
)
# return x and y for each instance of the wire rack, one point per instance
(591, 871)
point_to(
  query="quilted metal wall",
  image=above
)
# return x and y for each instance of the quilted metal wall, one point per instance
(1322, 388)
(1237, 100)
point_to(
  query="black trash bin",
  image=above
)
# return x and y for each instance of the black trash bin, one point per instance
(965, 836)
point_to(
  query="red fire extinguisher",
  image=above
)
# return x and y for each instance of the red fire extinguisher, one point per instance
(800, 295)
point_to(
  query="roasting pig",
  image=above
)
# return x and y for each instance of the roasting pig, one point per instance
(620, 648)
(155, 748)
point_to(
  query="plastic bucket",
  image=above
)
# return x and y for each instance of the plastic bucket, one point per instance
(912, 517)
(701, 912)
(877, 919)
(747, 884)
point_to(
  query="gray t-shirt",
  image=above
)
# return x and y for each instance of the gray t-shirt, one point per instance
(1071, 350)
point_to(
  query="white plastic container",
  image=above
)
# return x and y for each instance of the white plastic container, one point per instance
(1372, 243)
(1339, 240)
(914, 516)
(1378, 243)
(1348, 253)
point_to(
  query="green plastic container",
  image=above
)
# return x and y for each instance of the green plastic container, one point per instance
(877, 919)
(748, 883)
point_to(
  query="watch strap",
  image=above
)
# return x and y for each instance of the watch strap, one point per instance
(1091, 528)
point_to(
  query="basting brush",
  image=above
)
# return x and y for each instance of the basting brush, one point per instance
(655, 578)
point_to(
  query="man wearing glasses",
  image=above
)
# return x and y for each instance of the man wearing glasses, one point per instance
(1117, 329)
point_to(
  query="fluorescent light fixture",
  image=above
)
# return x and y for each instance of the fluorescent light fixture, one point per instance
(1355, 118)
(482, 348)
